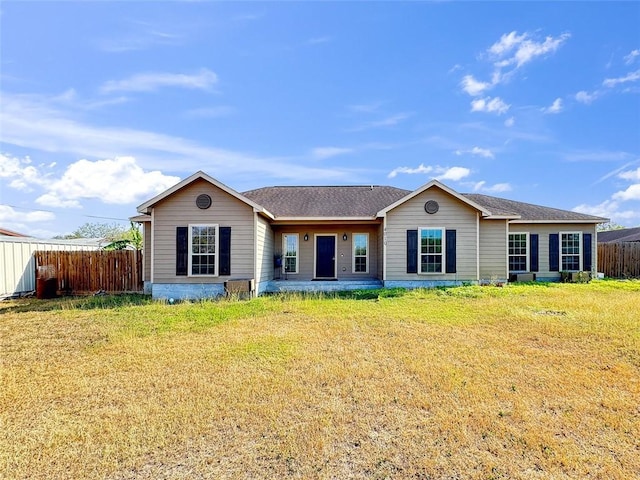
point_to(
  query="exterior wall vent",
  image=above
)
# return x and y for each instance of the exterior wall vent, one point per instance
(203, 201)
(431, 207)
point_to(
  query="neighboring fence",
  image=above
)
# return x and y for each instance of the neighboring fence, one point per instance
(619, 260)
(17, 263)
(86, 272)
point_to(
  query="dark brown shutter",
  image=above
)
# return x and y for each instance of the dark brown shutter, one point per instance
(182, 250)
(225, 251)
(412, 251)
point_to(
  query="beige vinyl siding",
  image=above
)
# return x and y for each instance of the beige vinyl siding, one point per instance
(344, 250)
(453, 214)
(180, 209)
(264, 250)
(543, 231)
(146, 251)
(493, 249)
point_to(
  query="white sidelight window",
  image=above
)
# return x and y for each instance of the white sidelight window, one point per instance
(290, 249)
(360, 253)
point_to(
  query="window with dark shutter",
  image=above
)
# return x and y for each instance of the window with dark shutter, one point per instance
(533, 252)
(182, 250)
(412, 251)
(450, 245)
(225, 251)
(586, 252)
(554, 252)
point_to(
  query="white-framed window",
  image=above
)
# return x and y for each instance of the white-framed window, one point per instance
(360, 253)
(431, 250)
(290, 242)
(518, 252)
(203, 250)
(571, 251)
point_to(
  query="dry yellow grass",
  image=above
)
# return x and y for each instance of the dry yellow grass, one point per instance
(520, 382)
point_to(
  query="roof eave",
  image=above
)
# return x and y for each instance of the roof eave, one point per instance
(324, 219)
(594, 221)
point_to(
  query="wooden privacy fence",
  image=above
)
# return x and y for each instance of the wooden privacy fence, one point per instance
(84, 272)
(619, 260)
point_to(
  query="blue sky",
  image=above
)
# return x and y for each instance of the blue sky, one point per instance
(103, 105)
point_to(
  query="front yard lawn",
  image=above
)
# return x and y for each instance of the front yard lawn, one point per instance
(525, 381)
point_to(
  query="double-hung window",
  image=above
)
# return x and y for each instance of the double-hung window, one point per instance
(290, 248)
(570, 253)
(360, 253)
(431, 250)
(518, 252)
(203, 250)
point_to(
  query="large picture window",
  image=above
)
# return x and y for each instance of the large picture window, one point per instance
(290, 248)
(570, 251)
(431, 250)
(360, 253)
(203, 250)
(518, 252)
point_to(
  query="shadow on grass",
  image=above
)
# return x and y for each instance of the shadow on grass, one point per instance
(71, 303)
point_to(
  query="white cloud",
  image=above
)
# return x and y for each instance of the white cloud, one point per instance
(150, 82)
(328, 152)
(633, 175)
(629, 59)
(611, 208)
(114, 181)
(474, 87)
(410, 171)
(511, 51)
(630, 77)
(482, 152)
(518, 50)
(10, 215)
(21, 172)
(510, 122)
(608, 209)
(507, 43)
(631, 193)
(555, 107)
(439, 173)
(496, 188)
(454, 173)
(489, 105)
(586, 97)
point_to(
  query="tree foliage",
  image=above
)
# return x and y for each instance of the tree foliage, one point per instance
(108, 231)
(605, 227)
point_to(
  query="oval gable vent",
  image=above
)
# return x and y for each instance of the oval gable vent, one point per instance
(203, 201)
(431, 207)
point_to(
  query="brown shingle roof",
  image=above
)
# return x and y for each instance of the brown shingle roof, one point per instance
(366, 201)
(334, 202)
(529, 211)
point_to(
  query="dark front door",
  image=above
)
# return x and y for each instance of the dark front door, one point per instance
(325, 256)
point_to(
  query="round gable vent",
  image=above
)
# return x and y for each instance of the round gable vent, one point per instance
(203, 201)
(431, 207)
